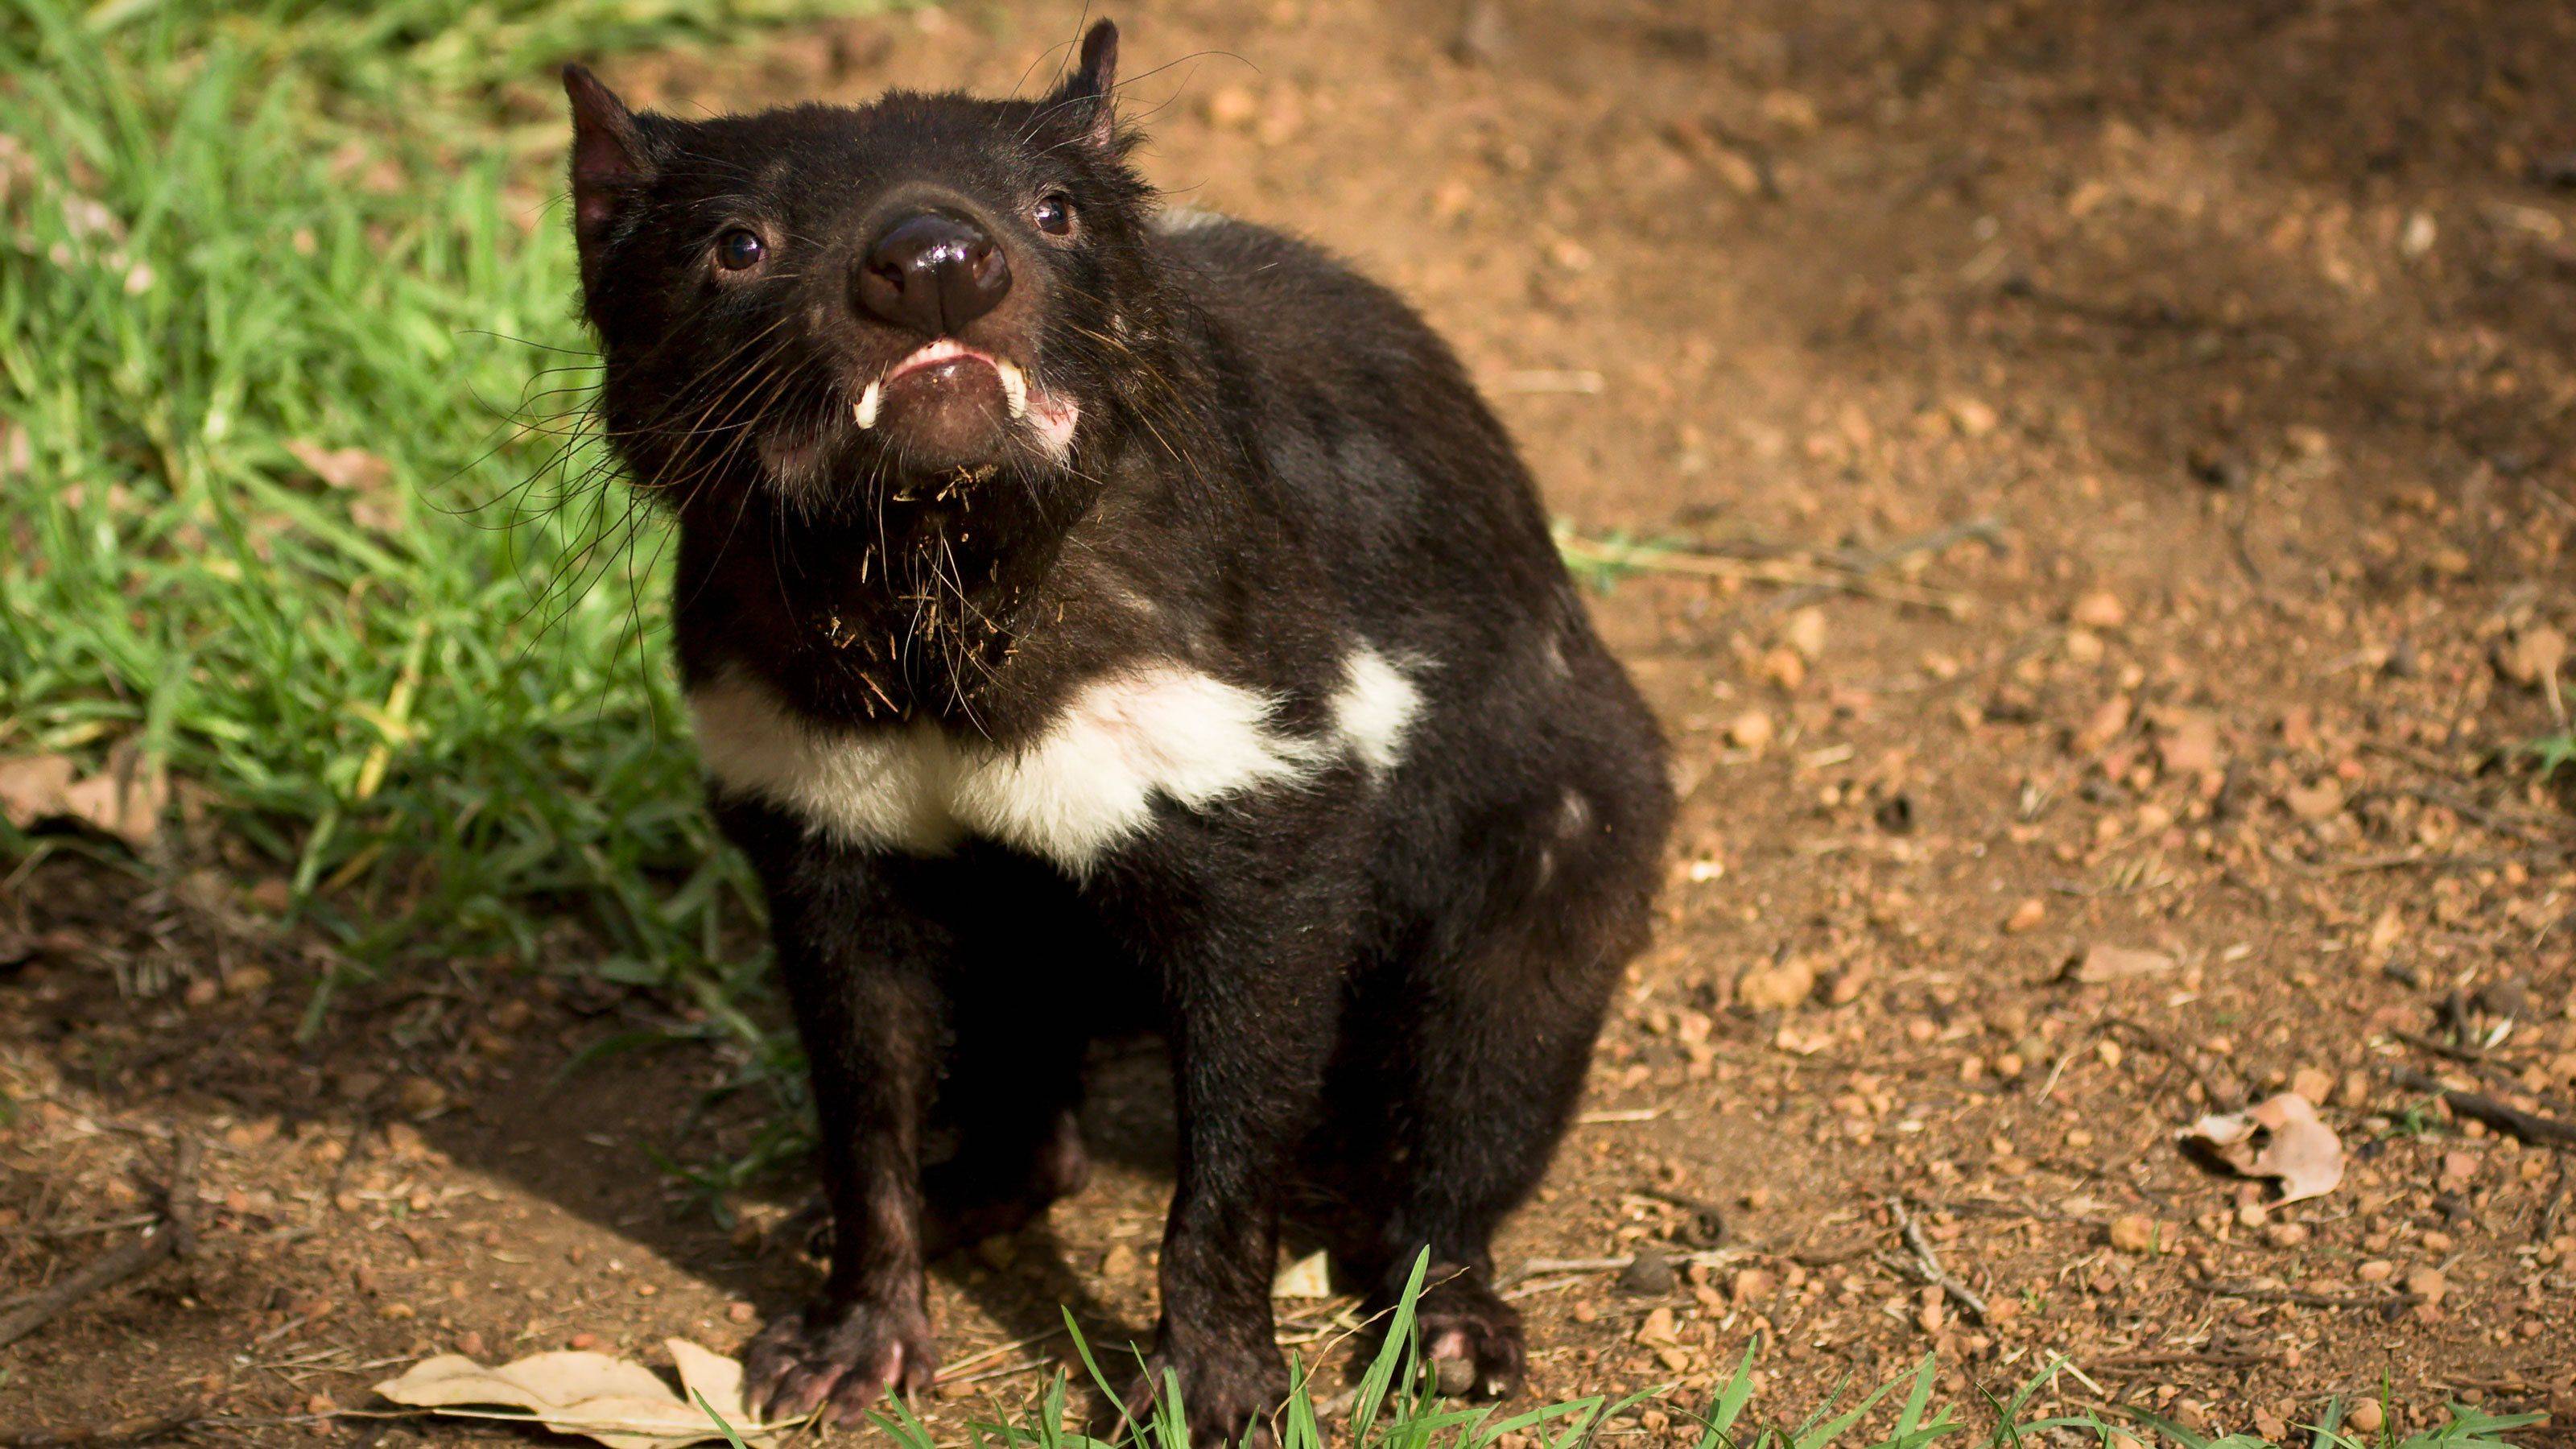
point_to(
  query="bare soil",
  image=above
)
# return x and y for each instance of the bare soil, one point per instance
(2109, 474)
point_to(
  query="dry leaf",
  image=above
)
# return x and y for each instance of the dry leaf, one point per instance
(32, 786)
(2278, 1138)
(126, 799)
(2114, 963)
(621, 1404)
(354, 468)
(1308, 1277)
(2531, 655)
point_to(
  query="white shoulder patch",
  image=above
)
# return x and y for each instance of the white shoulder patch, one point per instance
(1090, 781)
(872, 786)
(1375, 710)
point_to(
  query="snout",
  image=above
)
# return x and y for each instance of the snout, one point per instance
(933, 272)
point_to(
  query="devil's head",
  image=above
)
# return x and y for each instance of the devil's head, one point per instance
(830, 301)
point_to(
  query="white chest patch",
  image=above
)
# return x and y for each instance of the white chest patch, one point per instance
(1123, 742)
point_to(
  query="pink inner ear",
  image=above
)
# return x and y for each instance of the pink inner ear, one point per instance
(602, 165)
(1100, 59)
(606, 154)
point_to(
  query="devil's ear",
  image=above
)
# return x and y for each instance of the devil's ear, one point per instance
(1086, 93)
(609, 159)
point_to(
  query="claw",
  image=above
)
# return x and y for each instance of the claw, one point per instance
(837, 1372)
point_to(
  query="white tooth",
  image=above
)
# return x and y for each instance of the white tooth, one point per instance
(864, 411)
(1015, 388)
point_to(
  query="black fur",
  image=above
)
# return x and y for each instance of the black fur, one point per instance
(1387, 982)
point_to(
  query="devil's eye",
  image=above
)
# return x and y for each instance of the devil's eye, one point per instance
(738, 249)
(1053, 214)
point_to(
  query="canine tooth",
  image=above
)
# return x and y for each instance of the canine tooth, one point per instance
(1015, 388)
(864, 411)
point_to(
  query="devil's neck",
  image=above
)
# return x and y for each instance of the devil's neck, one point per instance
(908, 609)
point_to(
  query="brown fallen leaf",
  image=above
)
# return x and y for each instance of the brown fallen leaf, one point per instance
(126, 799)
(2279, 1138)
(619, 1403)
(2098, 964)
(2533, 654)
(1308, 1277)
(353, 468)
(32, 786)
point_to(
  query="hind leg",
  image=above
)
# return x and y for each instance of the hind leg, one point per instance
(1474, 1061)
(1010, 1080)
(1011, 1097)
(1491, 1061)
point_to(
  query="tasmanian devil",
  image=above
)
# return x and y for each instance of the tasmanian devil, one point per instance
(1091, 609)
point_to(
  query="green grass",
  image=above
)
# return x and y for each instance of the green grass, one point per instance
(429, 696)
(2551, 753)
(1395, 1406)
(433, 702)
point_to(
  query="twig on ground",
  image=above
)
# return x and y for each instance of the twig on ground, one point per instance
(1987, 530)
(173, 1236)
(1545, 1285)
(2529, 831)
(1996, 1207)
(1532, 1267)
(2439, 1048)
(1927, 1264)
(1535, 1267)
(2416, 856)
(1005, 1371)
(193, 1422)
(146, 1429)
(951, 1373)
(2477, 1061)
(2140, 1362)
(2386, 1305)
(2529, 1126)
(1806, 576)
(1861, 563)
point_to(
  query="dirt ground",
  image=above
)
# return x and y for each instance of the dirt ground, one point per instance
(2108, 470)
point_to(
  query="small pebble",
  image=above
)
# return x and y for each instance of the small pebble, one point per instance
(1649, 1273)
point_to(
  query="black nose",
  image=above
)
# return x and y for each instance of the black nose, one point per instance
(934, 273)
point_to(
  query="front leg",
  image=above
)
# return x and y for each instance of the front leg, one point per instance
(1253, 953)
(860, 963)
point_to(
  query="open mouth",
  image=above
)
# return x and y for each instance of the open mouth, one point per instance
(948, 356)
(946, 366)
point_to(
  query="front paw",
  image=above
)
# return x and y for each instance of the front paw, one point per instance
(1228, 1397)
(1471, 1336)
(837, 1361)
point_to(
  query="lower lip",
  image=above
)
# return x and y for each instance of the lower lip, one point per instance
(944, 363)
(945, 373)
(933, 354)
